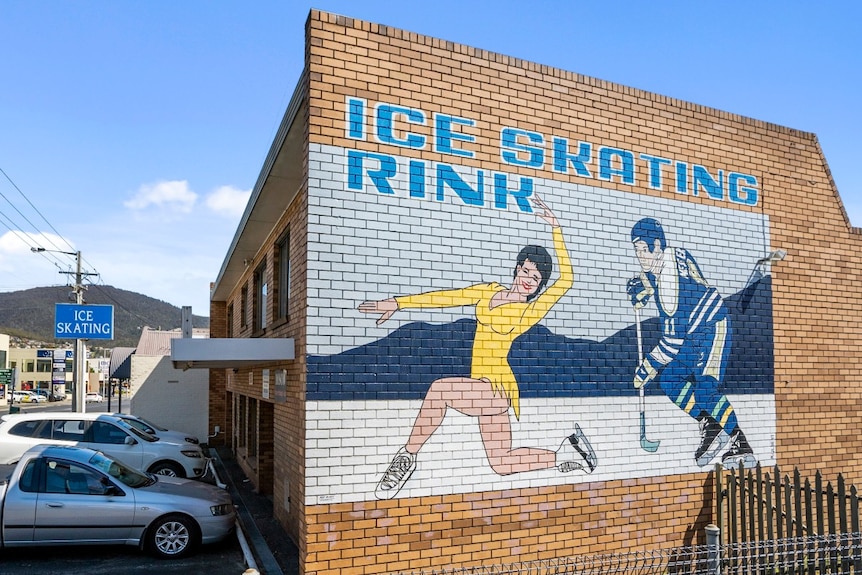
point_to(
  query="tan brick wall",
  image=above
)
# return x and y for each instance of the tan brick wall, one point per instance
(504, 527)
(815, 295)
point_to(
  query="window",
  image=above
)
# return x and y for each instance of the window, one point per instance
(230, 320)
(260, 292)
(28, 478)
(103, 432)
(282, 285)
(69, 429)
(43, 366)
(243, 306)
(67, 477)
(29, 367)
(30, 429)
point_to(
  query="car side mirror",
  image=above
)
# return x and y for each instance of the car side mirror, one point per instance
(130, 440)
(110, 489)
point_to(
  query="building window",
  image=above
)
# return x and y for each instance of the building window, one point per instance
(230, 320)
(243, 306)
(43, 366)
(260, 292)
(282, 285)
(29, 368)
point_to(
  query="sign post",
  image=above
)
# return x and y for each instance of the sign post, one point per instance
(7, 382)
(80, 322)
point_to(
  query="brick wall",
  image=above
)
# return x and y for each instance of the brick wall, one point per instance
(390, 215)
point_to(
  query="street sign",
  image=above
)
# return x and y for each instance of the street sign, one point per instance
(6, 378)
(73, 321)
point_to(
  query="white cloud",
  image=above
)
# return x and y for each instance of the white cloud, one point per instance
(171, 195)
(228, 201)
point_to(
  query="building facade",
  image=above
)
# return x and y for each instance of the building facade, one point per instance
(530, 311)
(43, 368)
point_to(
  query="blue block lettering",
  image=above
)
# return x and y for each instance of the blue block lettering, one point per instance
(703, 179)
(388, 167)
(447, 176)
(509, 141)
(502, 192)
(384, 118)
(444, 136)
(742, 194)
(579, 161)
(356, 118)
(626, 161)
(655, 163)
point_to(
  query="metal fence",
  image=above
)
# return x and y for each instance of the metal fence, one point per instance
(816, 555)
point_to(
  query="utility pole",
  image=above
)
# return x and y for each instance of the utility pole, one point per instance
(80, 360)
(78, 398)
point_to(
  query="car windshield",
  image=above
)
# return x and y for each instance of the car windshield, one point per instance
(138, 424)
(122, 422)
(151, 424)
(120, 472)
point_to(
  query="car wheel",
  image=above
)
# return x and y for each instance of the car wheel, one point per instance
(172, 536)
(168, 468)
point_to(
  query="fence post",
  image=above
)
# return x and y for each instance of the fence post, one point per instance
(719, 498)
(713, 558)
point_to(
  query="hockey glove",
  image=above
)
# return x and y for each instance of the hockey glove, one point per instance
(644, 374)
(638, 292)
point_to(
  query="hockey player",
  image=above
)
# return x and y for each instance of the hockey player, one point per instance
(691, 356)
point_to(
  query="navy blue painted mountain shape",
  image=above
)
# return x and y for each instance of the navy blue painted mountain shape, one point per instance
(403, 364)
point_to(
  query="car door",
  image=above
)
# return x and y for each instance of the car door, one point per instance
(111, 439)
(19, 508)
(80, 504)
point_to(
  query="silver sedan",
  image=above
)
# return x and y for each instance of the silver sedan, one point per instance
(62, 495)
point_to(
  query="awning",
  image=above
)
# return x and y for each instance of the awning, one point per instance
(223, 353)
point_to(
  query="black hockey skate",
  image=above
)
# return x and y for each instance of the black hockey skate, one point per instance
(576, 453)
(739, 452)
(712, 439)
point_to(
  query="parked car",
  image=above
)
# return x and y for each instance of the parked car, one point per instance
(101, 431)
(21, 397)
(49, 395)
(154, 429)
(61, 495)
(93, 397)
(35, 397)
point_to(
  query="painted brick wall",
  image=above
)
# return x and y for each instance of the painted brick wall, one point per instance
(378, 231)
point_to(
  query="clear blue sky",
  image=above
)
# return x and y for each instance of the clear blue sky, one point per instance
(135, 130)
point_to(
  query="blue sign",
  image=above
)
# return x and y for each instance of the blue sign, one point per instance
(73, 321)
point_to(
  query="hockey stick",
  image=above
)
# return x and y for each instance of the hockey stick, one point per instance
(646, 444)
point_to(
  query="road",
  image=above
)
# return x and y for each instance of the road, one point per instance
(66, 405)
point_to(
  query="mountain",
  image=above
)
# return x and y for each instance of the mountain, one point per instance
(30, 313)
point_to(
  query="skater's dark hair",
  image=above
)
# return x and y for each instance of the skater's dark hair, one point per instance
(539, 256)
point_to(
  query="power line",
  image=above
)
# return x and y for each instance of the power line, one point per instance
(26, 219)
(30, 241)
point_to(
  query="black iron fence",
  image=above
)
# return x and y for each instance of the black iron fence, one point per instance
(756, 505)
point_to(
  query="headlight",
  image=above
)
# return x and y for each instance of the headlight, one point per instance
(193, 440)
(223, 509)
(192, 453)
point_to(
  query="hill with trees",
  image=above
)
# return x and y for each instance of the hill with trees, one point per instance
(29, 314)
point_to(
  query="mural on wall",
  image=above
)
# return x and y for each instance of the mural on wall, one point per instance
(645, 331)
(690, 359)
(502, 314)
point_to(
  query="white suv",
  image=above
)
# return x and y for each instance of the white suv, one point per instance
(106, 433)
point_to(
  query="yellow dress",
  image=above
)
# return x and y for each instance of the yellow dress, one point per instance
(497, 328)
